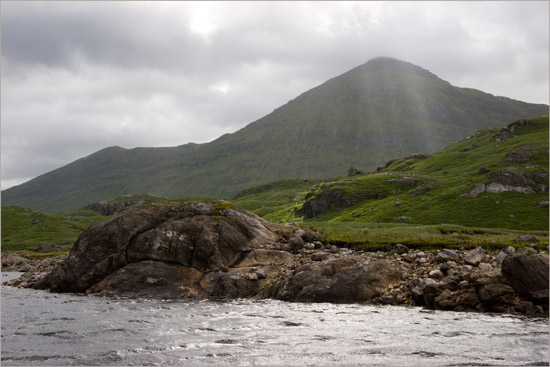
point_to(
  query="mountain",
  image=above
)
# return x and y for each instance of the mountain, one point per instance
(364, 117)
(495, 178)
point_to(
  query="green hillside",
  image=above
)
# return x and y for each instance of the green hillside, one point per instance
(418, 200)
(382, 109)
(435, 190)
(25, 229)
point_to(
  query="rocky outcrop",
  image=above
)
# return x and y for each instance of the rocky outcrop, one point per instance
(213, 250)
(507, 180)
(206, 236)
(316, 205)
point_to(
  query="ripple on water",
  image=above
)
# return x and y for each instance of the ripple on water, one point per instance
(85, 330)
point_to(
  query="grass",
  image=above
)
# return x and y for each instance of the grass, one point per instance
(374, 236)
(430, 214)
(25, 229)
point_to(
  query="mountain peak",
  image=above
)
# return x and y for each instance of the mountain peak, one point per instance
(380, 110)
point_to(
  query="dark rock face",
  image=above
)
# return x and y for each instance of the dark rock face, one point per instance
(331, 199)
(528, 275)
(324, 201)
(405, 181)
(511, 178)
(203, 235)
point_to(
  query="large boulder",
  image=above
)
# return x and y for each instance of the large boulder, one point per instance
(528, 275)
(206, 236)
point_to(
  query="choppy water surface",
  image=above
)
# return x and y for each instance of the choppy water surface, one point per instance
(42, 328)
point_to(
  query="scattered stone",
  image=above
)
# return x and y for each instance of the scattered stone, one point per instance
(333, 249)
(417, 292)
(446, 255)
(400, 249)
(396, 202)
(444, 268)
(475, 256)
(542, 203)
(309, 246)
(435, 274)
(320, 256)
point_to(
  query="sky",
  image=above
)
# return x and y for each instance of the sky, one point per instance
(77, 77)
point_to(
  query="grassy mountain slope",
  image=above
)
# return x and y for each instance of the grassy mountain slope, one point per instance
(437, 195)
(379, 110)
(25, 229)
(108, 173)
(373, 210)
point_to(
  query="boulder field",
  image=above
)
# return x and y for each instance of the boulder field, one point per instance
(214, 250)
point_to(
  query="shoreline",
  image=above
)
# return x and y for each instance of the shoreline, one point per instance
(456, 280)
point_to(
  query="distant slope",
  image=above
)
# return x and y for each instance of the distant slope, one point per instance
(509, 164)
(106, 174)
(379, 110)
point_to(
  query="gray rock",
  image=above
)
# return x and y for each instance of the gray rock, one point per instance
(333, 249)
(260, 273)
(466, 268)
(310, 236)
(491, 292)
(320, 256)
(400, 249)
(475, 191)
(475, 256)
(417, 293)
(503, 253)
(446, 255)
(528, 275)
(435, 274)
(309, 246)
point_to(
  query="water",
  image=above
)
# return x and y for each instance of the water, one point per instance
(42, 328)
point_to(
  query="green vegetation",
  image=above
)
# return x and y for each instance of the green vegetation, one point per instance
(432, 212)
(25, 229)
(383, 109)
(372, 210)
(374, 236)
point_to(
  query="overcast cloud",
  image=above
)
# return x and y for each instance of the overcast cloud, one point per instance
(81, 76)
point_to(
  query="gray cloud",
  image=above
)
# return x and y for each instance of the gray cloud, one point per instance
(80, 76)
